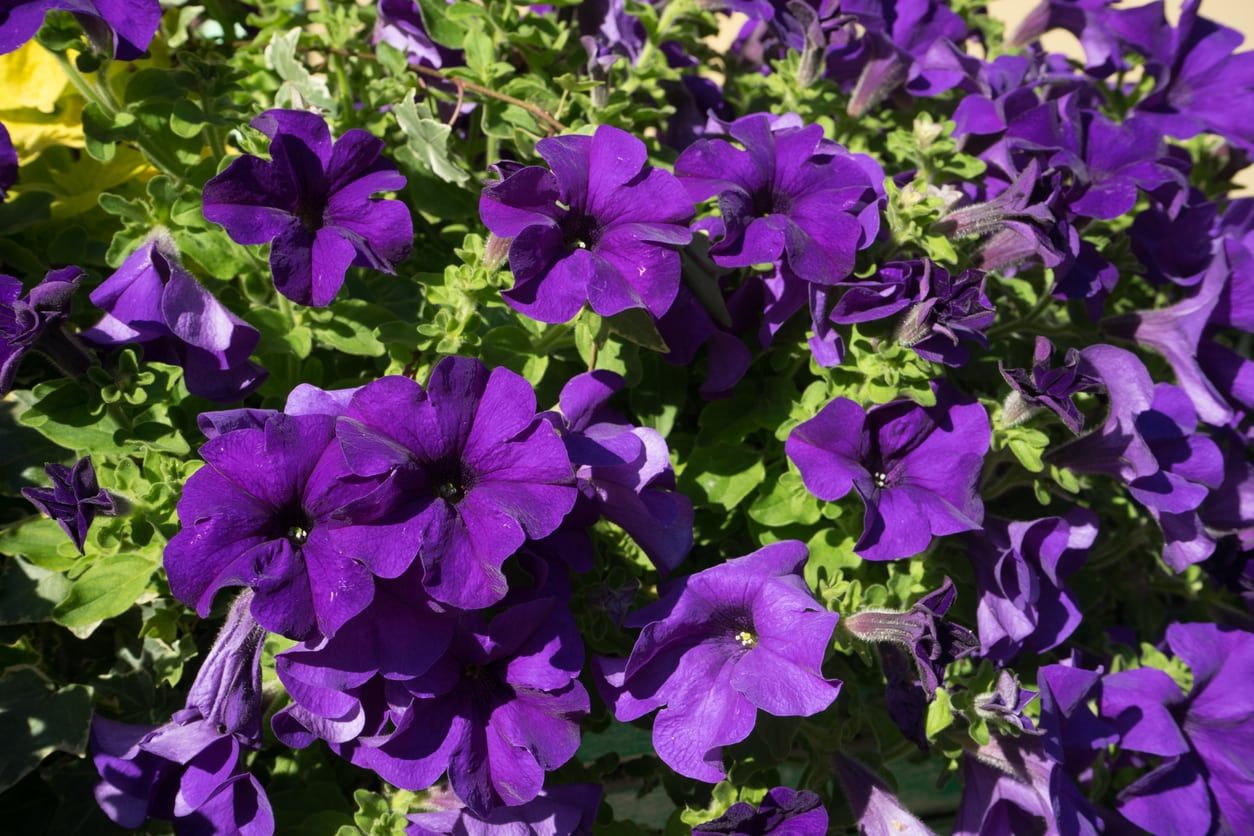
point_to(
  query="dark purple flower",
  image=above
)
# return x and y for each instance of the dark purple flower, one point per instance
(312, 200)
(785, 196)
(783, 812)
(153, 302)
(469, 474)
(1045, 387)
(949, 310)
(698, 101)
(1071, 733)
(269, 511)
(602, 226)
(496, 712)
(1202, 784)
(33, 322)
(8, 163)
(623, 471)
(1020, 573)
(1176, 246)
(1229, 510)
(190, 770)
(1005, 704)
(716, 647)
(399, 23)
(121, 28)
(1088, 20)
(608, 24)
(74, 499)
(558, 809)
(915, 468)
(878, 811)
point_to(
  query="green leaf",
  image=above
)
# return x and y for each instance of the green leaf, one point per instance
(426, 143)
(42, 542)
(940, 714)
(281, 57)
(109, 587)
(440, 24)
(29, 593)
(786, 503)
(37, 719)
(1027, 446)
(724, 474)
(62, 413)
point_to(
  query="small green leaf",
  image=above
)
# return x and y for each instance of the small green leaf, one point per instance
(109, 587)
(426, 142)
(940, 714)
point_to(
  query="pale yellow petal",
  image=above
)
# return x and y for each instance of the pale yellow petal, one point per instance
(31, 78)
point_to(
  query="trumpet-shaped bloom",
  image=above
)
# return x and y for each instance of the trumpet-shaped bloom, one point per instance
(1202, 784)
(914, 468)
(470, 473)
(600, 226)
(558, 809)
(74, 499)
(313, 201)
(121, 28)
(153, 302)
(782, 811)
(874, 805)
(716, 647)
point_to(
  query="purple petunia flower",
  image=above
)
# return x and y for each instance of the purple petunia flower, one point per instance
(74, 499)
(949, 310)
(602, 227)
(784, 812)
(269, 511)
(8, 163)
(121, 28)
(876, 809)
(469, 474)
(1202, 784)
(1071, 733)
(558, 809)
(33, 323)
(1088, 20)
(1020, 573)
(496, 712)
(153, 302)
(1046, 387)
(716, 647)
(313, 201)
(914, 468)
(399, 23)
(623, 472)
(189, 770)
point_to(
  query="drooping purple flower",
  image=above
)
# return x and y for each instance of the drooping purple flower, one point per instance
(785, 196)
(1202, 784)
(121, 28)
(623, 472)
(600, 226)
(1149, 441)
(558, 809)
(716, 647)
(399, 23)
(1043, 386)
(878, 811)
(313, 201)
(469, 474)
(190, 769)
(33, 323)
(915, 648)
(496, 712)
(153, 302)
(8, 163)
(914, 468)
(949, 310)
(74, 499)
(784, 811)
(269, 510)
(1020, 573)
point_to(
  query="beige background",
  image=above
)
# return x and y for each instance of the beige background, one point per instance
(1239, 14)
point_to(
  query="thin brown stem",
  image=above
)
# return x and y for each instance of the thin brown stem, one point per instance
(457, 106)
(549, 120)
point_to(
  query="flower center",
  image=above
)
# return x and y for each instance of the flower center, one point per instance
(881, 478)
(298, 535)
(310, 217)
(746, 639)
(581, 230)
(450, 492)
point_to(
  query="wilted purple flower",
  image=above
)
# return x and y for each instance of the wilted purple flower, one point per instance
(33, 322)
(469, 471)
(74, 499)
(716, 647)
(121, 28)
(914, 468)
(1203, 737)
(153, 302)
(784, 812)
(312, 200)
(602, 227)
(8, 163)
(1043, 386)
(623, 472)
(1006, 702)
(558, 809)
(1020, 573)
(190, 770)
(269, 511)
(399, 23)
(948, 311)
(501, 708)
(878, 811)
(785, 196)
